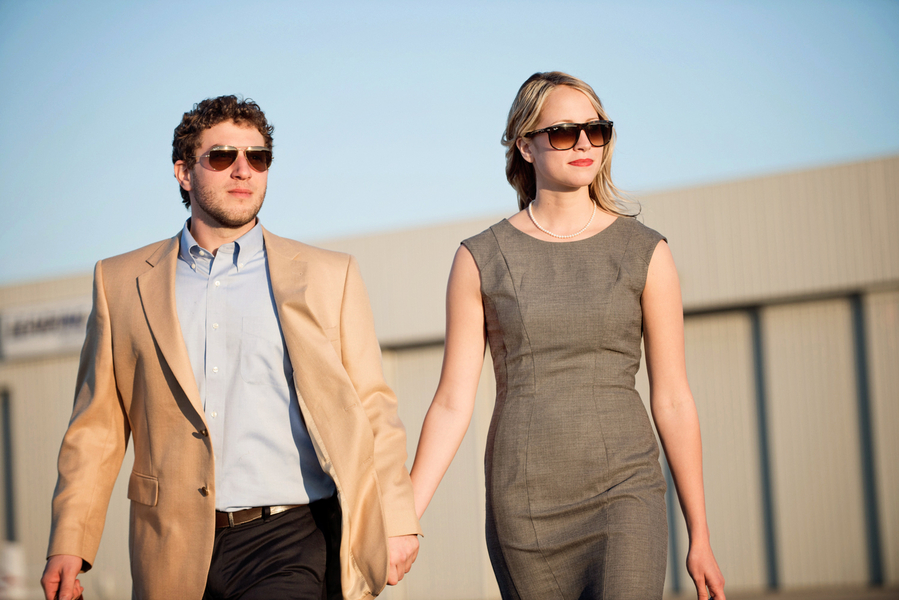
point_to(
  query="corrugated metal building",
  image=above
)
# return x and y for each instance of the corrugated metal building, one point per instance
(791, 297)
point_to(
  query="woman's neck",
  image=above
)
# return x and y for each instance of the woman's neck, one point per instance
(562, 212)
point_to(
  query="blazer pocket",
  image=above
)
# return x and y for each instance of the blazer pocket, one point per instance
(143, 489)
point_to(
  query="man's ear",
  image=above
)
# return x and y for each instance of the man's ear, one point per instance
(182, 174)
(524, 147)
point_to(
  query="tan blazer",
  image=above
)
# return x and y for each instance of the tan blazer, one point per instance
(135, 379)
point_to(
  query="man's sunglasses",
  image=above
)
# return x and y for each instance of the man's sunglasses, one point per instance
(220, 158)
(565, 135)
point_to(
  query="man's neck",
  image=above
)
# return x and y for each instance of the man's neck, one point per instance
(212, 236)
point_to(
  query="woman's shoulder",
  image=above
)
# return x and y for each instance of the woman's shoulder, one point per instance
(488, 236)
(486, 244)
(637, 228)
(642, 240)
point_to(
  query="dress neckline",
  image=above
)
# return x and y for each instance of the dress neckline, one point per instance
(506, 223)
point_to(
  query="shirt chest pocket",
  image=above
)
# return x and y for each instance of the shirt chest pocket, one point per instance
(263, 357)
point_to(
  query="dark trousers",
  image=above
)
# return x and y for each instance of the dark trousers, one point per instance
(294, 555)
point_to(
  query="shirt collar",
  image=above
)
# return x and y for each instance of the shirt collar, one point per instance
(246, 246)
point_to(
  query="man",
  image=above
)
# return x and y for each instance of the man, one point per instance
(246, 369)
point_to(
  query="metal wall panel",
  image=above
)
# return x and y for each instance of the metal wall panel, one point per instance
(736, 243)
(42, 396)
(406, 274)
(883, 349)
(795, 234)
(452, 563)
(34, 292)
(719, 368)
(815, 450)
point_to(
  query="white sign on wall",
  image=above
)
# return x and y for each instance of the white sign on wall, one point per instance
(43, 329)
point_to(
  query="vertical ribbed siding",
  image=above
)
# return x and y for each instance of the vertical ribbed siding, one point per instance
(882, 311)
(41, 393)
(406, 274)
(819, 509)
(784, 235)
(719, 367)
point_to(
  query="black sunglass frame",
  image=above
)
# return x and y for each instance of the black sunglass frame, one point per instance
(578, 127)
(237, 150)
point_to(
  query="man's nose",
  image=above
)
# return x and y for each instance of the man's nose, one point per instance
(241, 168)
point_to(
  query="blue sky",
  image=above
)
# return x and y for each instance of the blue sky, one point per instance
(388, 115)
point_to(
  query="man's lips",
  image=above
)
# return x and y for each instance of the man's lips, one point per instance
(582, 162)
(240, 192)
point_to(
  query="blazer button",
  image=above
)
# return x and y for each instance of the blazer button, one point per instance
(204, 433)
(204, 490)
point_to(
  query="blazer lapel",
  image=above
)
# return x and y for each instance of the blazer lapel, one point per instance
(308, 346)
(157, 295)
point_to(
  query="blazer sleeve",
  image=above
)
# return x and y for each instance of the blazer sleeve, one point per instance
(362, 361)
(94, 444)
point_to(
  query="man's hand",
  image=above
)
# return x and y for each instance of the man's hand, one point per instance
(59, 579)
(403, 551)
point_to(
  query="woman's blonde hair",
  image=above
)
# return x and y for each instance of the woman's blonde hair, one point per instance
(523, 118)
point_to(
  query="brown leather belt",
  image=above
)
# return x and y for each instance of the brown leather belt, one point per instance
(232, 519)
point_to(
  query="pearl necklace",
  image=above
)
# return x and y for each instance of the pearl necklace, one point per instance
(556, 235)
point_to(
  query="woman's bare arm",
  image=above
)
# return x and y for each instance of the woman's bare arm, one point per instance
(450, 412)
(674, 412)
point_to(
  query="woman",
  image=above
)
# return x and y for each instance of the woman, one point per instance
(562, 291)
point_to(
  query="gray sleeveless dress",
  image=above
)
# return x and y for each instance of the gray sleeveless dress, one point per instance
(575, 493)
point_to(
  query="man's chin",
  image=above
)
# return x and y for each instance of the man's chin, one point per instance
(235, 220)
(232, 223)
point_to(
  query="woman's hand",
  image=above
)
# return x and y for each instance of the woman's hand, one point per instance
(703, 568)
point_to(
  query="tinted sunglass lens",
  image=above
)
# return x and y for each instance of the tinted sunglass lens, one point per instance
(259, 159)
(564, 138)
(219, 160)
(599, 133)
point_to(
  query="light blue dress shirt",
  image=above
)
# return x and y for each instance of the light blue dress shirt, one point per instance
(263, 453)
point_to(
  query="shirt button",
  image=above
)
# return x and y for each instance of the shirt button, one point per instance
(193, 266)
(214, 414)
(218, 283)
(215, 369)
(215, 325)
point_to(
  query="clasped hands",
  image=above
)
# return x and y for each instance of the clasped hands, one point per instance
(403, 552)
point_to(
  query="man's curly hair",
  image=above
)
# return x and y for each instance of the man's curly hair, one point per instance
(209, 113)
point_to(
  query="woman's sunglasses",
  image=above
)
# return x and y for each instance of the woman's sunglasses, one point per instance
(565, 136)
(220, 158)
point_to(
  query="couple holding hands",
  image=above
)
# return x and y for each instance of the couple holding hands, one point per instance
(269, 460)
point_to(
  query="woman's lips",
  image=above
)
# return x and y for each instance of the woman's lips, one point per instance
(582, 162)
